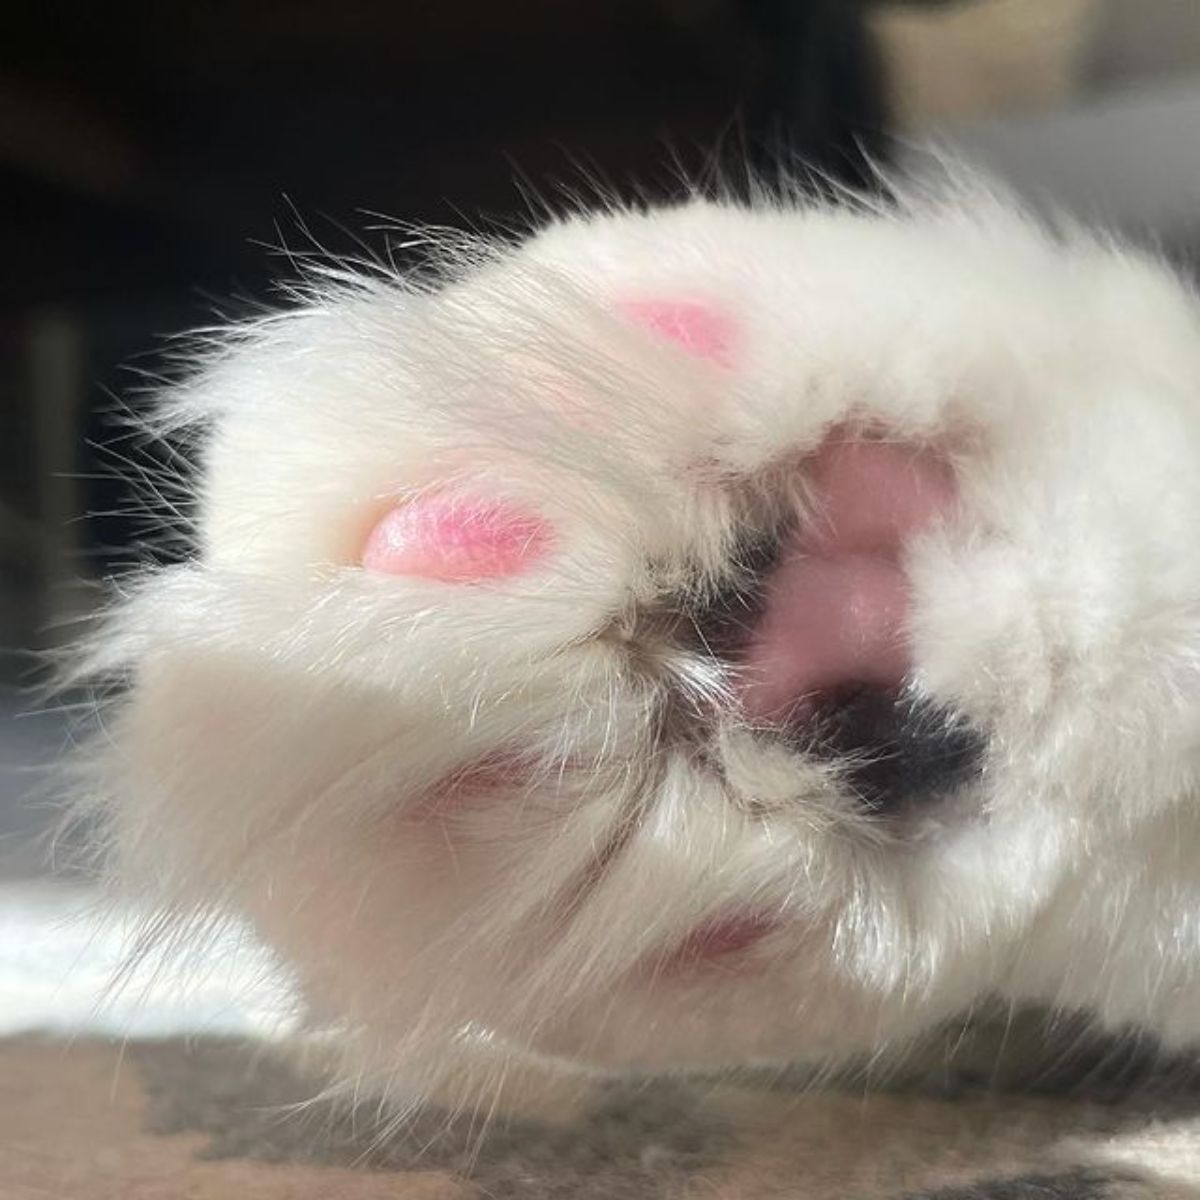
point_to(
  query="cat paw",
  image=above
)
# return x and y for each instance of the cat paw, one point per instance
(694, 636)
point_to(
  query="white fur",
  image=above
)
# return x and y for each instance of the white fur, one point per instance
(287, 709)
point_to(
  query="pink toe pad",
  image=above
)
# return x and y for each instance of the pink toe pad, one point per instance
(456, 539)
(837, 603)
(695, 328)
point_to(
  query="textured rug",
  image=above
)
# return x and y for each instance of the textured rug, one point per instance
(207, 1118)
(181, 1084)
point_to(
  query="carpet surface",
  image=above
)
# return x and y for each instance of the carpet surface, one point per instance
(185, 1082)
(93, 1119)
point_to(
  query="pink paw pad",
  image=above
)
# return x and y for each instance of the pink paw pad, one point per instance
(696, 328)
(836, 606)
(455, 539)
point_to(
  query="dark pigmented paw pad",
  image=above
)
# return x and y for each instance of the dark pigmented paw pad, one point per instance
(895, 750)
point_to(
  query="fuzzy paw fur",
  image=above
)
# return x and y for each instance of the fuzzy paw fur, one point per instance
(697, 636)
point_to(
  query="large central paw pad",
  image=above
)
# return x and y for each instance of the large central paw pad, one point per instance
(836, 603)
(828, 659)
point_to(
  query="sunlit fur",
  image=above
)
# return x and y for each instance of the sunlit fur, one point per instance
(288, 744)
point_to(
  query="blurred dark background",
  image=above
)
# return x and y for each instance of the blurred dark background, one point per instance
(155, 153)
(154, 158)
